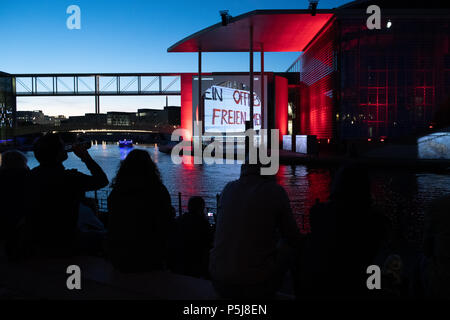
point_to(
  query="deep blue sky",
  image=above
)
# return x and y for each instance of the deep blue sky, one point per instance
(123, 36)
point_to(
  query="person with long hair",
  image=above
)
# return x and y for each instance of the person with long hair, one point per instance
(140, 213)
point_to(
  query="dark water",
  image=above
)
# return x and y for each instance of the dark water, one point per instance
(403, 196)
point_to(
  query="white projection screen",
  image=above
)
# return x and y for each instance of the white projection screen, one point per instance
(227, 103)
(227, 109)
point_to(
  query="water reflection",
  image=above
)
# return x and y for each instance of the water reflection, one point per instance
(124, 152)
(304, 186)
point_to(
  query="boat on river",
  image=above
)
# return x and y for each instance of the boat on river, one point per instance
(125, 143)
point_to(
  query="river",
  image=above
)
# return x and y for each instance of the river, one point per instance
(403, 196)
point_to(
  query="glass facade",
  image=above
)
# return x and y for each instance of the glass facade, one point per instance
(360, 83)
(7, 108)
(393, 79)
(317, 87)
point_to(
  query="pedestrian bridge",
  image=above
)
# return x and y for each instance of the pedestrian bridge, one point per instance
(97, 84)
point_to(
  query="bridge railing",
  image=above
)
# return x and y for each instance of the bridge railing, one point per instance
(179, 201)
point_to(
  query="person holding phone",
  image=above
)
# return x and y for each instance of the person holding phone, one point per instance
(197, 237)
(55, 194)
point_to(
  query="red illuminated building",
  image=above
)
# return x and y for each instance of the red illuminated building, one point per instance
(349, 82)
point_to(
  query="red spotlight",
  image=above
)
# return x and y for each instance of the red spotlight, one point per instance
(369, 139)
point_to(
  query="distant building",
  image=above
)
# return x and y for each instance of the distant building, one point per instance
(35, 118)
(29, 117)
(151, 117)
(72, 120)
(94, 119)
(7, 107)
(173, 115)
(159, 117)
(59, 119)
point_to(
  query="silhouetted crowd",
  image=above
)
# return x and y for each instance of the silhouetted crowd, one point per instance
(254, 248)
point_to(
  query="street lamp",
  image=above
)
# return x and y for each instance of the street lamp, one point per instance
(225, 17)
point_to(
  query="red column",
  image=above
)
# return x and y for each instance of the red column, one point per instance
(281, 105)
(186, 105)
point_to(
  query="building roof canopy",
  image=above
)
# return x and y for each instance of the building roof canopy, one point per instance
(277, 30)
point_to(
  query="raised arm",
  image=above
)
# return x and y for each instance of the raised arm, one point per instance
(98, 178)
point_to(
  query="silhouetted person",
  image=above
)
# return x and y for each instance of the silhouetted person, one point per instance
(254, 214)
(345, 238)
(140, 213)
(56, 196)
(196, 238)
(14, 174)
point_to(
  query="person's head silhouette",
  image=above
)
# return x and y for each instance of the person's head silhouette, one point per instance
(137, 170)
(49, 150)
(13, 159)
(351, 186)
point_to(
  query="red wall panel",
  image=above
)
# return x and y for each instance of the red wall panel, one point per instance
(281, 105)
(186, 105)
(317, 87)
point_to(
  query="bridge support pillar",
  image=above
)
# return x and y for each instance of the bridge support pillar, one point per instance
(97, 104)
(97, 94)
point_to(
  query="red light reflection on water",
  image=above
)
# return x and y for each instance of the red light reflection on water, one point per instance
(304, 186)
(188, 162)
